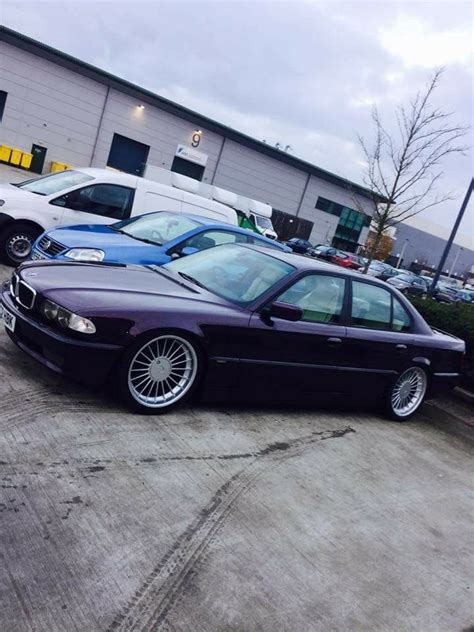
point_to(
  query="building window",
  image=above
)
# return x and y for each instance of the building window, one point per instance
(187, 168)
(350, 224)
(3, 100)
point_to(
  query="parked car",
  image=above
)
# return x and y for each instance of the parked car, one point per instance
(333, 255)
(381, 270)
(84, 196)
(154, 238)
(301, 246)
(439, 294)
(357, 260)
(409, 284)
(231, 320)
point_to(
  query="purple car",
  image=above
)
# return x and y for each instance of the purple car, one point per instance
(236, 321)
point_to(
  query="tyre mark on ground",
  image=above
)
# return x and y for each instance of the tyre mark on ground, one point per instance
(152, 602)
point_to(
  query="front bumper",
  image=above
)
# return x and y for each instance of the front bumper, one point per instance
(87, 362)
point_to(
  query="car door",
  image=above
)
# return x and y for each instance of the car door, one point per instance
(378, 341)
(101, 203)
(296, 360)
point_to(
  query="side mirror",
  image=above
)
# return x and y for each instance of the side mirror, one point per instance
(184, 252)
(285, 311)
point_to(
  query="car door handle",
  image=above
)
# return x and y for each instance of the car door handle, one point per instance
(401, 347)
(334, 341)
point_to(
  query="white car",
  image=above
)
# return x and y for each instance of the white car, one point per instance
(88, 196)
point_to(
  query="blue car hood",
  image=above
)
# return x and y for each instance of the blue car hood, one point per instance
(92, 236)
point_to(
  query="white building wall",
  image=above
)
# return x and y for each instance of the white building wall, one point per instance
(163, 132)
(50, 106)
(260, 177)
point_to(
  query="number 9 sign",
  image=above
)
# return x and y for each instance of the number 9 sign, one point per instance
(196, 139)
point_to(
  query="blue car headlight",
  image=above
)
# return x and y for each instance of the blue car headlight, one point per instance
(85, 254)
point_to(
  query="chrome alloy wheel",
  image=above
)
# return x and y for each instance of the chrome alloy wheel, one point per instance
(162, 371)
(408, 392)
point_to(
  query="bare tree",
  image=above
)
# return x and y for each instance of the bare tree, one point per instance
(404, 168)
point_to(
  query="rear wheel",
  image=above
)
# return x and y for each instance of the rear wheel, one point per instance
(159, 372)
(16, 242)
(406, 394)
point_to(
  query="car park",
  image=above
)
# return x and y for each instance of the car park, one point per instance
(154, 238)
(300, 246)
(84, 196)
(409, 284)
(229, 321)
(381, 270)
(333, 255)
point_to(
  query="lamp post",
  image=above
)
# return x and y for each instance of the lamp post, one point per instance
(451, 270)
(452, 235)
(400, 256)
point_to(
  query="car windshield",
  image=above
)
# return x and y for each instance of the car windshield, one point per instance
(263, 222)
(158, 228)
(236, 273)
(54, 182)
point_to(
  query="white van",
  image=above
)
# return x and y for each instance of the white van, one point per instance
(89, 196)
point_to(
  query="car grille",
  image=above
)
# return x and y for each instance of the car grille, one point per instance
(51, 247)
(36, 255)
(23, 293)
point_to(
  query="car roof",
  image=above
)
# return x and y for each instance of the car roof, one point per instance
(308, 264)
(211, 223)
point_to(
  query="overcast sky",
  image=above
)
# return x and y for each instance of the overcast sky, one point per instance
(300, 73)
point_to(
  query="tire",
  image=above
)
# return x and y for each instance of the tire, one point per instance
(16, 242)
(406, 393)
(159, 372)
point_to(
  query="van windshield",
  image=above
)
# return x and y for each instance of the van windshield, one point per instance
(263, 222)
(54, 182)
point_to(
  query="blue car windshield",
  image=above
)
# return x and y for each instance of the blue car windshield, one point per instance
(236, 273)
(158, 228)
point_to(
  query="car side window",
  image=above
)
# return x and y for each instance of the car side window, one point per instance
(265, 244)
(108, 200)
(401, 320)
(371, 306)
(320, 296)
(374, 307)
(211, 238)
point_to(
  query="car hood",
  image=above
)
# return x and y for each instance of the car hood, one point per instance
(15, 196)
(94, 236)
(79, 286)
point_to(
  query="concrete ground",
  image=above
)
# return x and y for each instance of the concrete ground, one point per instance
(220, 519)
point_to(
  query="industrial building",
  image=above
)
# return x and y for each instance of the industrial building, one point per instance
(420, 243)
(61, 109)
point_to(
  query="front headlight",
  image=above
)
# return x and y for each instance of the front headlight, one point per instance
(67, 319)
(2, 202)
(85, 254)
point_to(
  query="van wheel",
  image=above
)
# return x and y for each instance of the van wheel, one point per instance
(16, 243)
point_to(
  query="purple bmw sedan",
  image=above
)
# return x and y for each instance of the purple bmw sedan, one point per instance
(232, 321)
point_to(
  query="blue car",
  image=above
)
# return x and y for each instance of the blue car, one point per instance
(151, 239)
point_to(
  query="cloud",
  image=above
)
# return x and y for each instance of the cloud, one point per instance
(411, 39)
(299, 73)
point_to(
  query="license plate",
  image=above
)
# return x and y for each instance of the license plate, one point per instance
(8, 318)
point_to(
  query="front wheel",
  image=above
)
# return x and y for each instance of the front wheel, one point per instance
(16, 243)
(406, 394)
(159, 372)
